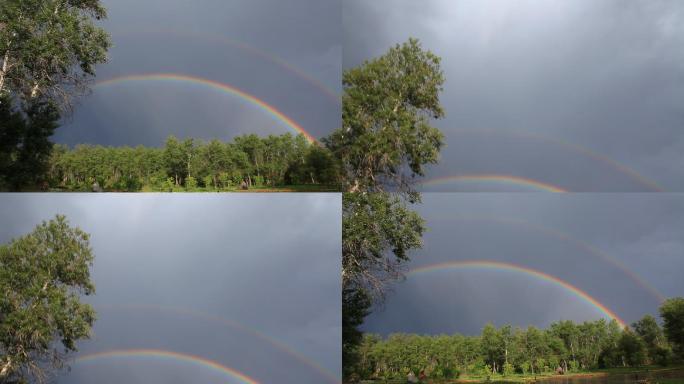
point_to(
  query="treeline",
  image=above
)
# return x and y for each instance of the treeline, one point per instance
(188, 165)
(564, 347)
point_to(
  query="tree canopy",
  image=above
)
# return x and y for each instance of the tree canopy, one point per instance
(190, 165)
(48, 53)
(386, 138)
(42, 276)
(49, 48)
(501, 352)
(672, 312)
(383, 146)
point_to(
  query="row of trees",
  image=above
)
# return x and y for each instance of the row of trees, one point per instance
(563, 347)
(190, 165)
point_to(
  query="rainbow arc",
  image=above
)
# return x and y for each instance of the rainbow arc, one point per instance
(211, 84)
(231, 374)
(497, 265)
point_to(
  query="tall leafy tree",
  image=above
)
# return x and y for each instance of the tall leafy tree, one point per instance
(672, 312)
(382, 147)
(49, 48)
(25, 147)
(48, 53)
(386, 138)
(42, 276)
(650, 332)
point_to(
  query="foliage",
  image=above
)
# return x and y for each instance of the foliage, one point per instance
(48, 52)
(672, 312)
(193, 165)
(49, 48)
(24, 145)
(650, 332)
(382, 147)
(42, 275)
(526, 351)
(386, 107)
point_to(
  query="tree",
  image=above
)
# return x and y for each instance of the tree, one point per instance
(42, 275)
(633, 348)
(672, 312)
(48, 52)
(49, 48)
(382, 147)
(378, 231)
(386, 139)
(355, 307)
(493, 348)
(649, 331)
(24, 145)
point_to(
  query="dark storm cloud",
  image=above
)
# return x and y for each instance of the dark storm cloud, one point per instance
(606, 76)
(241, 43)
(638, 238)
(268, 262)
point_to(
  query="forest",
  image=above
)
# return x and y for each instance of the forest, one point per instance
(564, 347)
(249, 161)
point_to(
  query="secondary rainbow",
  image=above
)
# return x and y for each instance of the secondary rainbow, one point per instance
(521, 181)
(565, 237)
(221, 87)
(329, 376)
(650, 184)
(250, 49)
(170, 355)
(497, 265)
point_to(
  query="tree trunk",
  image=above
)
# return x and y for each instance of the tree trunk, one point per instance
(3, 71)
(5, 368)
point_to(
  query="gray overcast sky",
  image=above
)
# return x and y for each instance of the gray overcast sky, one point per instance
(270, 262)
(644, 233)
(524, 77)
(193, 38)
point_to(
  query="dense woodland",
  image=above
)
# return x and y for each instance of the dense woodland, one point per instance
(248, 161)
(562, 348)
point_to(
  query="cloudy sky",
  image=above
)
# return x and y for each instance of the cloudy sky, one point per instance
(626, 251)
(583, 95)
(287, 54)
(250, 281)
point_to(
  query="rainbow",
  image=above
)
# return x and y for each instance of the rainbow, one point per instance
(524, 270)
(574, 148)
(170, 355)
(221, 87)
(584, 246)
(521, 181)
(330, 94)
(329, 376)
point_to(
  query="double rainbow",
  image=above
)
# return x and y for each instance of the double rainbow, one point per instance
(496, 265)
(215, 85)
(231, 374)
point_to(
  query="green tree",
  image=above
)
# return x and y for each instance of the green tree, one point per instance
(633, 348)
(48, 52)
(386, 139)
(49, 48)
(493, 348)
(384, 143)
(42, 276)
(177, 156)
(650, 332)
(672, 312)
(25, 147)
